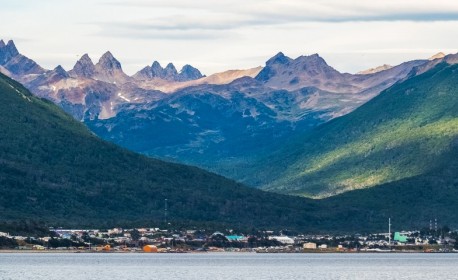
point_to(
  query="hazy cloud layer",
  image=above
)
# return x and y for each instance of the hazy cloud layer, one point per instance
(217, 35)
(289, 11)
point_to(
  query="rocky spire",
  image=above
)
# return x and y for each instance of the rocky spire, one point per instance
(156, 70)
(84, 67)
(60, 71)
(108, 62)
(188, 73)
(7, 52)
(169, 73)
(170, 70)
(11, 47)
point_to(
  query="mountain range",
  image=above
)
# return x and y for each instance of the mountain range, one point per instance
(237, 123)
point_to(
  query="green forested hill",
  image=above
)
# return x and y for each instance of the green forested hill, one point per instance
(55, 170)
(411, 202)
(405, 132)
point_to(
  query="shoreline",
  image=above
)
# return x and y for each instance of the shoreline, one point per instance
(12, 251)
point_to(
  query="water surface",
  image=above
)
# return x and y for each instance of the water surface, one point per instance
(70, 266)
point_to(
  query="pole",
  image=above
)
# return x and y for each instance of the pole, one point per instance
(389, 233)
(165, 212)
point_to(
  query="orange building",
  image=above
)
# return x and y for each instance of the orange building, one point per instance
(150, 249)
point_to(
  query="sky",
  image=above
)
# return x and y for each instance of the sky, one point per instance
(217, 35)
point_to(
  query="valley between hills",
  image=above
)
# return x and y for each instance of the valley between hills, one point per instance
(377, 144)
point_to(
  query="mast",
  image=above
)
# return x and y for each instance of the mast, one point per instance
(389, 233)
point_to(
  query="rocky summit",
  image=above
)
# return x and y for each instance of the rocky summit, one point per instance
(169, 73)
(83, 68)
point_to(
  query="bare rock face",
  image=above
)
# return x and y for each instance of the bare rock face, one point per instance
(283, 72)
(7, 52)
(169, 73)
(17, 64)
(84, 67)
(108, 69)
(189, 73)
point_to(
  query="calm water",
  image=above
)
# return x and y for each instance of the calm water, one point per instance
(228, 266)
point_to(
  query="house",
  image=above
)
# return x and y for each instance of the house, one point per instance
(282, 239)
(38, 247)
(309, 245)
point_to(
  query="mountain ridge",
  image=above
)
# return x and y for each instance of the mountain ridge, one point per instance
(404, 132)
(223, 122)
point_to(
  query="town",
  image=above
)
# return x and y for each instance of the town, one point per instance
(156, 240)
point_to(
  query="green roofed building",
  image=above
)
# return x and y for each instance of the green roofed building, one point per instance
(400, 238)
(235, 238)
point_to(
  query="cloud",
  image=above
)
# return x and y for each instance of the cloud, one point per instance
(210, 20)
(271, 12)
(133, 32)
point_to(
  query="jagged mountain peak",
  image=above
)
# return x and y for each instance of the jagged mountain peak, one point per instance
(58, 73)
(279, 58)
(59, 68)
(12, 48)
(7, 51)
(189, 72)
(186, 68)
(156, 64)
(16, 63)
(170, 72)
(170, 67)
(108, 61)
(85, 59)
(84, 67)
(304, 71)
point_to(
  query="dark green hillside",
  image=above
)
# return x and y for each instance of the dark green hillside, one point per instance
(405, 132)
(53, 169)
(411, 202)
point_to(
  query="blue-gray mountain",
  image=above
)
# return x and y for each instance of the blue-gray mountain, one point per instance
(225, 126)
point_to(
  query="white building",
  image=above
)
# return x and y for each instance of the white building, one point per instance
(309, 245)
(282, 239)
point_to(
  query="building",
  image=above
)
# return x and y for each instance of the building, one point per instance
(283, 239)
(150, 249)
(400, 238)
(309, 245)
(236, 238)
